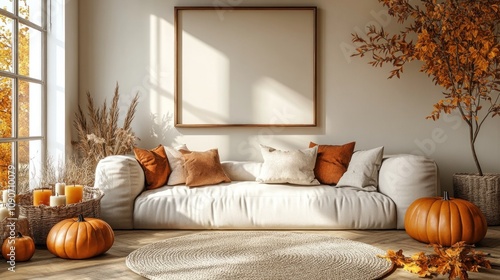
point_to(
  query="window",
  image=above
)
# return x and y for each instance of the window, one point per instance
(22, 90)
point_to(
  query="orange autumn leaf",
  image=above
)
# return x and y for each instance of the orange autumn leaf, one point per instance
(454, 261)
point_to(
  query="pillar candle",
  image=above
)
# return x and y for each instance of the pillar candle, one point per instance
(4, 213)
(57, 200)
(5, 196)
(74, 193)
(41, 196)
(59, 188)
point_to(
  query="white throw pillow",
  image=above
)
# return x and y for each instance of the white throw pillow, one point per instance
(362, 171)
(293, 167)
(242, 170)
(176, 162)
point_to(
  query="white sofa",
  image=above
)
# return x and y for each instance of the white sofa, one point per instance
(247, 204)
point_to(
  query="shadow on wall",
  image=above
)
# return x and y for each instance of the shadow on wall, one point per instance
(162, 130)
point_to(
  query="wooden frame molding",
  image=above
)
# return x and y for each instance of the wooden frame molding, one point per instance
(245, 66)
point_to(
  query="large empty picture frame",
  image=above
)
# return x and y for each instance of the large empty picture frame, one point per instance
(245, 66)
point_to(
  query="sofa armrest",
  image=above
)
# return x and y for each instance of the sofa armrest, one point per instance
(121, 178)
(405, 178)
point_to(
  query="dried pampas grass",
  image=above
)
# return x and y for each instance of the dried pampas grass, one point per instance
(72, 170)
(98, 133)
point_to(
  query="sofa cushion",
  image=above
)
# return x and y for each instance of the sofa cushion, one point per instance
(332, 162)
(155, 165)
(252, 205)
(363, 170)
(203, 168)
(242, 170)
(176, 162)
(293, 167)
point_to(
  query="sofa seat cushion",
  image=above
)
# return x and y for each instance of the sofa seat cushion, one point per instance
(251, 205)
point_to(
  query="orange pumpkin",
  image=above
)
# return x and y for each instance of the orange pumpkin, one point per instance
(20, 248)
(445, 221)
(79, 238)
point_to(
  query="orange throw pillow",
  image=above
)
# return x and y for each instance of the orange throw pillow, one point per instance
(332, 162)
(203, 168)
(155, 165)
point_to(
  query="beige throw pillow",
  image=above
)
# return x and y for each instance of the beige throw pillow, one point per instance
(362, 171)
(242, 170)
(176, 162)
(293, 167)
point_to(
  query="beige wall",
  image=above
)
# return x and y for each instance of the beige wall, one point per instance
(62, 76)
(131, 42)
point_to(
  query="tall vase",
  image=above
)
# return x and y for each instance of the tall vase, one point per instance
(483, 191)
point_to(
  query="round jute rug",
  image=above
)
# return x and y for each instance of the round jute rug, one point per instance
(258, 255)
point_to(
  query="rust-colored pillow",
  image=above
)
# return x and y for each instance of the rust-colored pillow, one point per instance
(203, 168)
(155, 165)
(332, 162)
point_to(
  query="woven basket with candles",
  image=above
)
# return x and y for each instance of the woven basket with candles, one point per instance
(42, 218)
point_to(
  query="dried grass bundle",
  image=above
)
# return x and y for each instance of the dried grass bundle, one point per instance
(72, 170)
(98, 133)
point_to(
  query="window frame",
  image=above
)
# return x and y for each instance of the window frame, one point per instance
(18, 78)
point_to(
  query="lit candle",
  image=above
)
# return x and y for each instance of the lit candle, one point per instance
(59, 189)
(57, 200)
(5, 196)
(74, 193)
(41, 197)
(4, 213)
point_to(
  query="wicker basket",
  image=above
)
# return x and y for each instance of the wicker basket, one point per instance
(43, 218)
(483, 191)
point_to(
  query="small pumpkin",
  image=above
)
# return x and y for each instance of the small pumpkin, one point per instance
(80, 238)
(20, 248)
(445, 221)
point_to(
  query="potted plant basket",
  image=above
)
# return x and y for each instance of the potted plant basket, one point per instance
(457, 42)
(466, 186)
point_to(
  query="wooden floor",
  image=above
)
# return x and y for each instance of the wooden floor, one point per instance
(111, 265)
